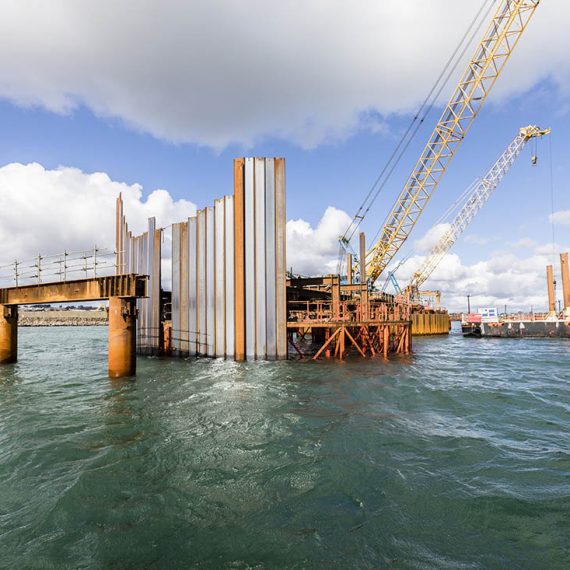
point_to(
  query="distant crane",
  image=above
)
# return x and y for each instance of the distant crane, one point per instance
(392, 279)
(502, 35)
(475, 200)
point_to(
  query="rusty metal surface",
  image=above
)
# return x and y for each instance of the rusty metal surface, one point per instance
(551, 291)
(142, 255)
(8, 334)
(315, 312)
(564, 270)
(239, 259)
(280, 259)
(122, 337)
(93, 289)
(430, 323)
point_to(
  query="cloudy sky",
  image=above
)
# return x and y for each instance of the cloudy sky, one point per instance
(155, 98)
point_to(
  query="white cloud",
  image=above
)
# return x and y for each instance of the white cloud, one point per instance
(476, 240)
(49, 211)
(314, 251)
(523, 243)
(497, 279)
(561, 218)
(514, 276)
(213, 73)
(430, 238)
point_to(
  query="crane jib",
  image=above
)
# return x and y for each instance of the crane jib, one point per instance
(474, 201)
(501, 37)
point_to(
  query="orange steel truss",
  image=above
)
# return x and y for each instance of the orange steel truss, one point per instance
(362, 325)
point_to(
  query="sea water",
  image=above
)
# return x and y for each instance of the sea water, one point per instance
(457, 456)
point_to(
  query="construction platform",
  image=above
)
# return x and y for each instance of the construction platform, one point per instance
(328, 319)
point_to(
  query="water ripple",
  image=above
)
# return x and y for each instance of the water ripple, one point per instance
(457, 456)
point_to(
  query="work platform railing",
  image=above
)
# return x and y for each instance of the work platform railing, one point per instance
(318, 312)
(65, 266)
(368, 326)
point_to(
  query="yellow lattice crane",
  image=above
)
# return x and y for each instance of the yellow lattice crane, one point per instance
(474, 201)
(506, 27)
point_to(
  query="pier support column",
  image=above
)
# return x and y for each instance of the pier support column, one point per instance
(565, 282)
(551, 293)
(122, 337)
(8, 333)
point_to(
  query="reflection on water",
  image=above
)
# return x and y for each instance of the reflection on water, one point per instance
(456, 456)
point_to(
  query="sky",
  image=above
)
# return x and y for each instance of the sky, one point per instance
(154, 99)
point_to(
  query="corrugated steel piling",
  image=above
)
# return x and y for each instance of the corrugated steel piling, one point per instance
(228, 270)
(141, 255)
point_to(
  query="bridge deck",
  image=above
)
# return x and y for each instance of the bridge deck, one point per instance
(92, 289)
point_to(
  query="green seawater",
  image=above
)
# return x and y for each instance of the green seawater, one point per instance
(457, 456)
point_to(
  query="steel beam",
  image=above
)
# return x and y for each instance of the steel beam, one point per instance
(94, 289)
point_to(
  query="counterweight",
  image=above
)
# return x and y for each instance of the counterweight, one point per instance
(502, 35)
(475, 202)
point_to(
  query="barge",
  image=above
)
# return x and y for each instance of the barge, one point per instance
(488, 323)
(537, 328)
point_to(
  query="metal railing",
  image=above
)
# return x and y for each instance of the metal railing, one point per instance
(66, 266)
(323, 311)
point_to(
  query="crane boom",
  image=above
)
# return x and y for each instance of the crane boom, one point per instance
(474, 202)
(499, 40)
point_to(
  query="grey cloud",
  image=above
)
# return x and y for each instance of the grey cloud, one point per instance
(221, 72)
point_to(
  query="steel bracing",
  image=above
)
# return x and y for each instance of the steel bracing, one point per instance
(474, 202)
(499, 40)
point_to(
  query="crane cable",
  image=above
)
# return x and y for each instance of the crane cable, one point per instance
(415, 124)
(432, 103)
(552, 219)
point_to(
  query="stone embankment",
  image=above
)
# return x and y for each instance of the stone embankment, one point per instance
(61, 318)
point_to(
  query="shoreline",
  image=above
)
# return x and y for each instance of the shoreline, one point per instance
(73, 318)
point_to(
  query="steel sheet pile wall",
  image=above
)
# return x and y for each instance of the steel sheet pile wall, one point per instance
(142, 255)
(228, 270)
(259, 190)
